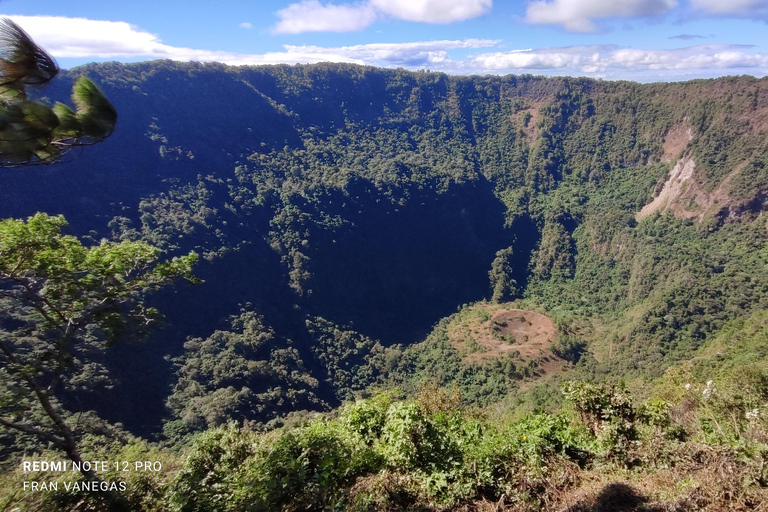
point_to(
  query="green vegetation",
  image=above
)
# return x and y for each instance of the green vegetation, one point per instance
(360, 230)
(386, 454)
(243, 375)
(704, 450)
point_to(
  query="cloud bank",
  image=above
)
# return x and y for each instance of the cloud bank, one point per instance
(106, 40)
(84, 38)
(612, 60)
(752, 9)
(433, 11)
(583, 15)
(415, 55)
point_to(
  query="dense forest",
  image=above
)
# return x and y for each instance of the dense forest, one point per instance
(408, 291)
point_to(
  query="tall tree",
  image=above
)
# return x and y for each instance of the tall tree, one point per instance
(503, 285)
(61, 301)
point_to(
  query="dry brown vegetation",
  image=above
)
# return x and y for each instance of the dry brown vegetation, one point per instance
(704, 480)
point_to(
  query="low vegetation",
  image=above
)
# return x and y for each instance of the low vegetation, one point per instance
(691, 446)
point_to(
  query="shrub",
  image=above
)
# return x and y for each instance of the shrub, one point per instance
(608, 412)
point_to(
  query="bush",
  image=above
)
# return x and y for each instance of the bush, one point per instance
(608, 412)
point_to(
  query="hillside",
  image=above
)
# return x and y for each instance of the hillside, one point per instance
(365, 228)
(378, 199)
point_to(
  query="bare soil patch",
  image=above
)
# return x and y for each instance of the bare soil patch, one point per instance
(675, 141)
(532, 128)
(488, 331)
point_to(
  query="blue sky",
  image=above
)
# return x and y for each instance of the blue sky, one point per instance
(643, 40)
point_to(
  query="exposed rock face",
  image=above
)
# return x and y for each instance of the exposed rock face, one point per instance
(685, 197)
(678, 185)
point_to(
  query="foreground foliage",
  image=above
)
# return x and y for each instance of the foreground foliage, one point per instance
(385, 454)
(707, 449)
(32, 132)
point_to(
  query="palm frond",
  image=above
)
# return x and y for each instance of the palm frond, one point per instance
(21, 60)
(97, 116)
(69, 126)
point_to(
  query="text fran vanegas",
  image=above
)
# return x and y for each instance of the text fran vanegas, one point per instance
(95, 466)
(97, 485)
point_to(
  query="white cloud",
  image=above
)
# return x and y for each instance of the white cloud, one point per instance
(312, 16)
(578, 15)
(433, 11)
(756, 9)
(94, 39)
(612, 61)
(246, 24)
(80, 37)
(540, 59)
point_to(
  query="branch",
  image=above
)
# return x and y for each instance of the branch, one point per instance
(37, 299)
(18, 265)
(29, 429)
(44, 399)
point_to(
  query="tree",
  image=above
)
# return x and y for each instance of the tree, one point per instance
(554, 256)
(61, 301)
(31, 132)
(503, 285)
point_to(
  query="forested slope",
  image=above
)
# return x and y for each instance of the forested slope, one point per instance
(350, 219)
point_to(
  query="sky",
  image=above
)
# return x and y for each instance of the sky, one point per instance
(641, 40)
